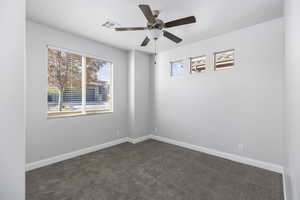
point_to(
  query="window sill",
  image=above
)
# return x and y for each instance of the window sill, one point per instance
(223, 68)
(196, 72)
(88, 113)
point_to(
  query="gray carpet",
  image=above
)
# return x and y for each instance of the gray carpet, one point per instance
(151, 170)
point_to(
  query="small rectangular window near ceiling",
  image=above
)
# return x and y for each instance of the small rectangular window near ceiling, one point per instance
(197, 64)
(177, 68)
(224, 59)
(78, 84)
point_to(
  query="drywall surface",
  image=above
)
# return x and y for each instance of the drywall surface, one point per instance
(139, 104)
(51, 137)
(225, 108)
(12, 142)
(292, 100)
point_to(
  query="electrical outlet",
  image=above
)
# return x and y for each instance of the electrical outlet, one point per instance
(118, 132)
(155, 130)
(241, 147)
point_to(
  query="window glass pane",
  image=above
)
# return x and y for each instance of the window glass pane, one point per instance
(98, 84)
(198, 64)
(224, 59)
(177, 68)
(64, 82)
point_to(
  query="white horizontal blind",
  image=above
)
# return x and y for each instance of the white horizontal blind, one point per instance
(72, 97)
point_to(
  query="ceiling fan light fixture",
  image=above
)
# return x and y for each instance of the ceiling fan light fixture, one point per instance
(155, 33)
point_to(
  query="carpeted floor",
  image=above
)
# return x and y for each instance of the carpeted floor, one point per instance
(151, 170)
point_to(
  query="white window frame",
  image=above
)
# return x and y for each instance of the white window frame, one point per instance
(84, 111)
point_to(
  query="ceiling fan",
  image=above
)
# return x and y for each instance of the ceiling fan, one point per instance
(156, 26)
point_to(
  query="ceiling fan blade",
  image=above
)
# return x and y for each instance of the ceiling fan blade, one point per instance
(172, 37)
(131, 28)
(145, 42)
(148, 13)
(182, 21)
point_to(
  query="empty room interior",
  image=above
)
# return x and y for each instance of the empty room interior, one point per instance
(150, 100)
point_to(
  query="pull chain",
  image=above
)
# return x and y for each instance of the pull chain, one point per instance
(155, 51)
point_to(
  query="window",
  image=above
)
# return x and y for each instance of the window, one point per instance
(78, 84)
(224, 59)
(197, 64)
(177, 68)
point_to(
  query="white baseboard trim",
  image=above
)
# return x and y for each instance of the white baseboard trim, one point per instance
(59, 158)
(139, 139)
(236, 158)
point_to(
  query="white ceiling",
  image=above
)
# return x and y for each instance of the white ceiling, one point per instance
(214, 17)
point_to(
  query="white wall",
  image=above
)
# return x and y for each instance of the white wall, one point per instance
(131, 93)
(225, 108)
(292, 101)
(139, 104)
(50, 137)
(12, 142)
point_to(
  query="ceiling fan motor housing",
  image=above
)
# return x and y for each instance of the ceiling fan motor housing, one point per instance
(159, 24)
